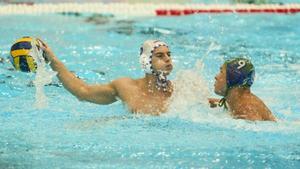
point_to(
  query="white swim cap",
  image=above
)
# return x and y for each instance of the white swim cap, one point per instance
(146, 54)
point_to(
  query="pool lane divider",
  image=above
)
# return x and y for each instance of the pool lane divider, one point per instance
(147, 9)
(176, 12)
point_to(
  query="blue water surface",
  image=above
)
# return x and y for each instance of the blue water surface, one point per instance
(73, 134)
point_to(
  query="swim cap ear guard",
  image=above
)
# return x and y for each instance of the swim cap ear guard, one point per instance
(146, 54)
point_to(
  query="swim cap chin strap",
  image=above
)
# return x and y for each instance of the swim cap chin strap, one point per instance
(240, 72)
(146, 55)
(222, 103)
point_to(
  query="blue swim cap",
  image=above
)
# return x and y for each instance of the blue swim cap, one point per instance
(240, 72)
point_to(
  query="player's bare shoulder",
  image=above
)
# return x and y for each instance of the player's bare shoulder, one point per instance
(124, 83)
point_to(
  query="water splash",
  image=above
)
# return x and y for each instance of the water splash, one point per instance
(189, 100)
(213, 46)
(43, 77)
(191, 90)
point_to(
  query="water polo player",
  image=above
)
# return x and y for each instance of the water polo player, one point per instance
(149, 94)
(233, 83)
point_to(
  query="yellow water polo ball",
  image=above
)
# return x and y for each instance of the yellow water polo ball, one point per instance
(24, 53)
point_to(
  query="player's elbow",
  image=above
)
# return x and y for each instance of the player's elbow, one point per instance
(270, 117)
(82, 94)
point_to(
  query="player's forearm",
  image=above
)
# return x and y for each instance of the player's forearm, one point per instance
(100, 94)
(68, 79)
(73, 84)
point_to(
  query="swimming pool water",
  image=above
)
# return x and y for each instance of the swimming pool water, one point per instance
(73, 134)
